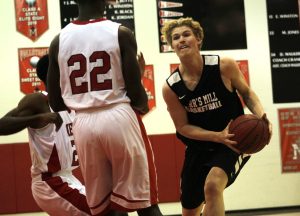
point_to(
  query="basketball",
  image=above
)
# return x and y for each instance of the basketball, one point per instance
(250, 132)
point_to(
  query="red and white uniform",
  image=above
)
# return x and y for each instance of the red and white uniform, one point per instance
(115, 155)
(55, 189)
(91, 77)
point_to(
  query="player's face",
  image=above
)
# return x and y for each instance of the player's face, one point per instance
(184, 41)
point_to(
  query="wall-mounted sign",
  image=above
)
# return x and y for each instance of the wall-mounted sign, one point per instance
(223, 21)
(123, 13)
(289, 122)
(148, 83)
(243, 66)
(31, 17)
(28, 58)
(284, 40)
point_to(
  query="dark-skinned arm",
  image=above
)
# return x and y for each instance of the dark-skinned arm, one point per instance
(32, 111)
(53, 78)
(131, 71)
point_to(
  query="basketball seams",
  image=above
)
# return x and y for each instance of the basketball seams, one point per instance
(255, 146)
(246, 135)
(250, 132)
(263, 141)
(241, 120)
(258, 144)
(238, 124)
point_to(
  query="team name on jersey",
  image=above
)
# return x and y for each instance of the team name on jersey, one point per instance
(204, 103)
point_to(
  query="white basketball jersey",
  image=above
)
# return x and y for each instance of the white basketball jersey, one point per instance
(52, 150)
(90, 65)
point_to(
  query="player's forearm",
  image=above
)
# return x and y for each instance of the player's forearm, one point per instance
(197, 133)
(139, 100)
(56, 102)
(254, 105)
(10, 125)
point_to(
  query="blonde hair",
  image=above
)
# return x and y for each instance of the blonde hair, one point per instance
(189, 22)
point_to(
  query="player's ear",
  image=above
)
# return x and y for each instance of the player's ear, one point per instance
(171, 44)
(199, 42)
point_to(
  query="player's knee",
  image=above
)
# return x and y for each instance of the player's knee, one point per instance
(213, 188)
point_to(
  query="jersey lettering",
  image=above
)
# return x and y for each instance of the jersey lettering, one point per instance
(69, 129)
(95, 74)
(75, 161)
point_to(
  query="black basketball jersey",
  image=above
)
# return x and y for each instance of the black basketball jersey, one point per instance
(210, 105)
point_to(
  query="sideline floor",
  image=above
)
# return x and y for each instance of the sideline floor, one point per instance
(289, 211)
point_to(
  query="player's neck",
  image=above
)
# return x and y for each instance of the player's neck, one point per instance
(193, 65)
(88, 13)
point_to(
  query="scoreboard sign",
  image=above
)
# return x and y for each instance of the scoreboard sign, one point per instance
(123, 13)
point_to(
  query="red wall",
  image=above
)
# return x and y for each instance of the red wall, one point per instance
(15, 181)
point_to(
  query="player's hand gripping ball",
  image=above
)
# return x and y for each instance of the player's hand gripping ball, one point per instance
(250, 132)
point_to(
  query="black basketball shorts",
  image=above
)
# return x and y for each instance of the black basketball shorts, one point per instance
(197, 164)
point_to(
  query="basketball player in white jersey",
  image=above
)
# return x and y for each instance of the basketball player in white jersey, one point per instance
(94, 71)
(55, 189)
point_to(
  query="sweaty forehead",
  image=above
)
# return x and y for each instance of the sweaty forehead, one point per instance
(181, 29)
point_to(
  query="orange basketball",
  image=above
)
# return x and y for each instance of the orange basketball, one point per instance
(250, 132)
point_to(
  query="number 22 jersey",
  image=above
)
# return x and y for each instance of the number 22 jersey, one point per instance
(90, 65)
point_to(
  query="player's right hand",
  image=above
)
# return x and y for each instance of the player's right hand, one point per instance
(41, 120)
(225, 138)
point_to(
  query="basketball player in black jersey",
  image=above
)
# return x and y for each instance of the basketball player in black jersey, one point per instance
(201, 97)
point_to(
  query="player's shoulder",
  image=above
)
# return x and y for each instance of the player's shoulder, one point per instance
(228, 66)
(55, 40)
(174, 77)
(126, 38)
(124, 32)
(227, 61)
(36, 96)
(54, 45)
(35, 101)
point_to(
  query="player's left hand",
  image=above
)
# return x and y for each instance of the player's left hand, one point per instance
(270, 127)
